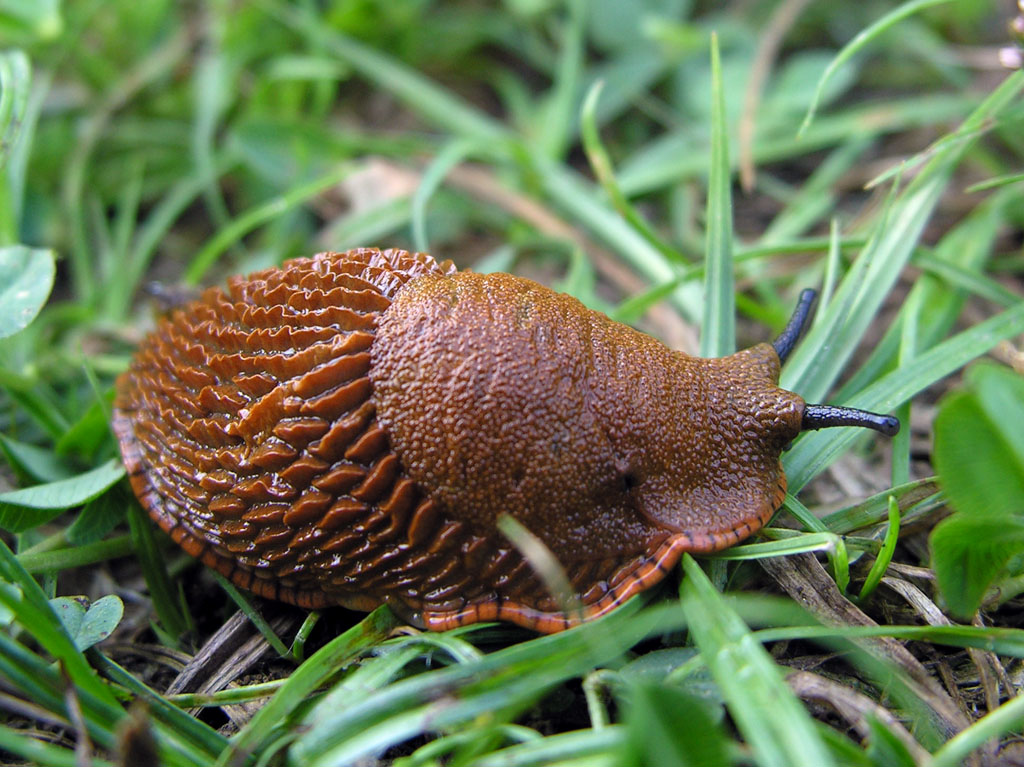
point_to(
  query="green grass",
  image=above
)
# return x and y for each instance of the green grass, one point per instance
(593, 145)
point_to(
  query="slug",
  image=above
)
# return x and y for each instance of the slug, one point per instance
(348, 429)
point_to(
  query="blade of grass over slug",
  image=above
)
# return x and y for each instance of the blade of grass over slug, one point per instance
(718, 326)
(863, 38)
(544, 563)
(815, 451)
(820, 358)
(752, 684)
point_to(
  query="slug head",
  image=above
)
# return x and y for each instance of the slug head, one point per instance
(701, 447)
(704, 445)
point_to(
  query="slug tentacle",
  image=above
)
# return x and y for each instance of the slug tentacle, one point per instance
(827, 416)
(347, 429)
(797, 324)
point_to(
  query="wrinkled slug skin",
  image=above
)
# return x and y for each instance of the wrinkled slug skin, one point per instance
(347, 430)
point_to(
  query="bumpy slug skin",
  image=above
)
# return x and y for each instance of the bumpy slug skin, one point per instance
(347, 429)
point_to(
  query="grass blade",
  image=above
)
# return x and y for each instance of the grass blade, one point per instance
(422, 94)
(601, 165)
(991, 727)
(749, 679)
(718, 326)
(231, 233)
(881, 563)
(20, 593)
(821, 357)
(557, 118)
(862, 39)
(167, 602)
(454, 153)
(15, 89)
(310, 675)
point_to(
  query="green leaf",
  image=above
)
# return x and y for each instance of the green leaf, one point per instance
(555, 129)
(24, 509)
(969, 552)
(26, 279)
(88, 624)
(1000, 393)
(666, 726)
(975, 450)
(99, 517)
(90, 432)
(35, 462)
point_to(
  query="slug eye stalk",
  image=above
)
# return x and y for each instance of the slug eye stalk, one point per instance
(826, 416)
(796, 326)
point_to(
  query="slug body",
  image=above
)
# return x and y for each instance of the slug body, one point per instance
(348, 429)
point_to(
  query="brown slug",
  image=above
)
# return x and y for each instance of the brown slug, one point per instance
(347, 430)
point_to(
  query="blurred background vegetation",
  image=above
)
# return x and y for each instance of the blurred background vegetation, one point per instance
(576, 142)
